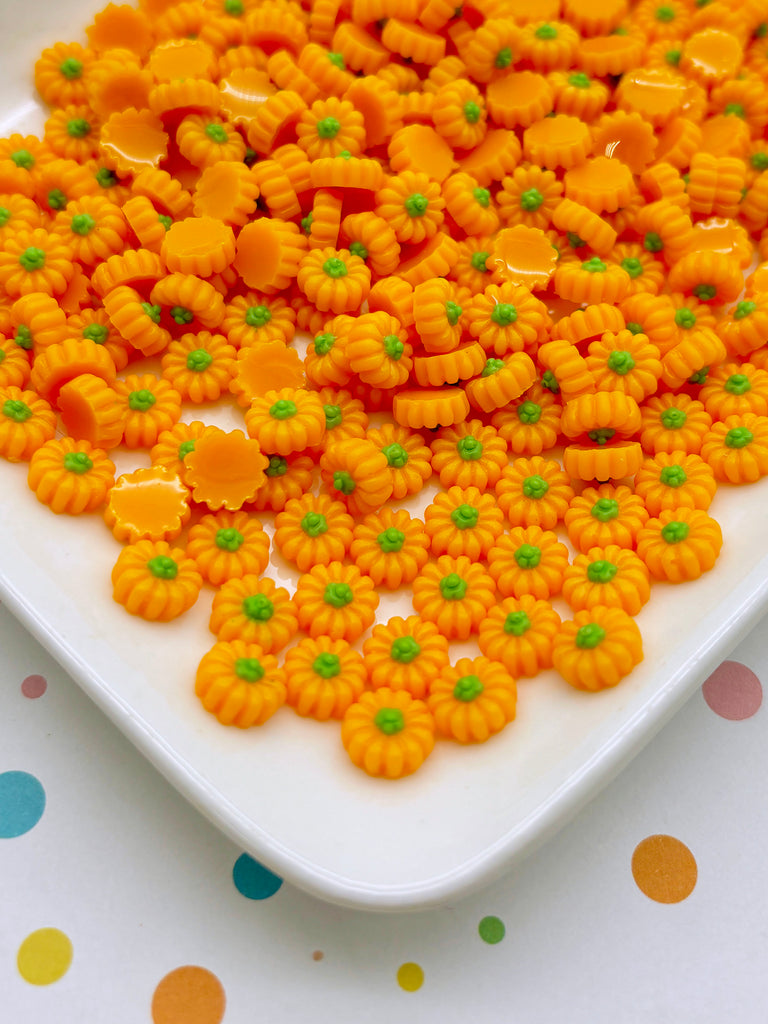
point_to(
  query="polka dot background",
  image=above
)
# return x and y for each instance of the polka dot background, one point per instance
(123, 897)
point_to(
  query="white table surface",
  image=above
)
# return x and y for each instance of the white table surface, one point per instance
(141, 885)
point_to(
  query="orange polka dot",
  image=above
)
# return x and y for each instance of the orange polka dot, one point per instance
(188, 995)
(664, 869)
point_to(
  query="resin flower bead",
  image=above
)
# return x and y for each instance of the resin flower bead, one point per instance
(151, 406)
(345, 416)
(387, 733)
(337, 601)
(70, 476)
(605, 515)
(735, 388)
(378, 350)
(528, 560)
(356, 472)
(325, 676)
(455, 594)
(408, 458)
(613, 577)
(405, 654)
(286, 421)
(463, 521)
(469, 455)
(534, 492)
(26, 422)
(256, 611)
(671, 422)
(224, 469)
(472, 700)
(313, 530)
(155, 581)
(412, 206)
(737, 448)
(624, 362)
(199, 366)
(675, 480)
(334, 279)
(519, 632)
(507, 318)
(228, 545)
(680, 544)
(597, 648)
(240, 684)
(390, 547)
(284, 479)
(531, 424)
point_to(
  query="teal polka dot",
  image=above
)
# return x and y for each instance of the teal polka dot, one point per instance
(491, 930)
(253, 880)
(22, 802)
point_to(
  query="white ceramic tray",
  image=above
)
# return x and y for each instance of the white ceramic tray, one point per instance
(287, 793)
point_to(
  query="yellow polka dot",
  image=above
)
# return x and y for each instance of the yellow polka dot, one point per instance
(664, 869)
(44, 956)
(410, 977)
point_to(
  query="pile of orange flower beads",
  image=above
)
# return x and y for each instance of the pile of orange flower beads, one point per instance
(507, 227)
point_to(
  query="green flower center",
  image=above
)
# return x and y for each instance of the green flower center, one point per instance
(234, 8)
(504, 314)
(673, 419)
(162, 567)
(672, 57)
(5, 216)
(759, 161)
(546, 32)
(529, 412)
(24, 159)
(738, 384)
(389, 721)
(738, 437)
(633, 266)
(278, 466)
(141, 400)
(590, 636)
(32, 259)
(337, 59)
(635, 328)
(181, 315)
(492, 366)
(327, 665)
(333, 416)
(601, 571)
(16, 410)
(165, 220)
(416, 205)
(472, 112)
(575, 241)
(535, 487)
(469, 448)
(621, 362)
(23, 337)
(97, 333)
(306, 223)
(579, 80)
(745, 308)
(338, 595)
(258, 608)
(594, 266)
(105, 178)
(56, 199)
(549, 381)
(735, 110)
(358, 249)
(601, 435)
(479, 261)
(342, 481)
(465, 517)
(335, 268)
(404, 650)
(673, 476)
(216, 133)
(229, 539)
(391, 540)
(77, 462)
(528, 556)
(199, 360)
(185, 448)
(517, 623)
(531, 200)
(605, 509)
(78, 128)
(314, 524)
(393, 347)
(328, 128)
(652, 242)
(453, 587)
(503, 58)
(700, 377)
(153, 312)
(675, 532)
(705, 292)
(250, 670)
(482, 196)
(467, 688)
(283, 409)
(71, 68)
(324, 343)
(396, 455)
(665, 14)
(453, 313)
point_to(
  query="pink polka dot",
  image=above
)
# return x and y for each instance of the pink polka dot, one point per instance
(733, 691)
(34, 686)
